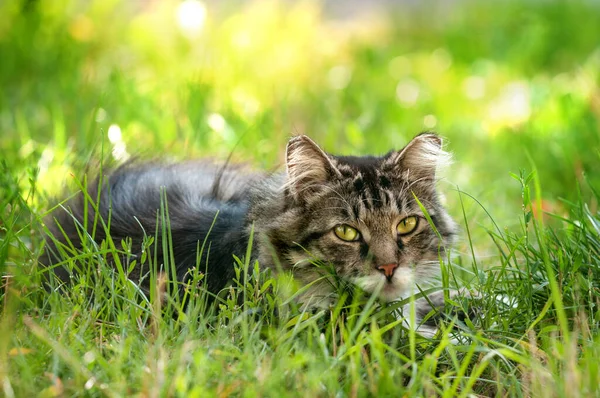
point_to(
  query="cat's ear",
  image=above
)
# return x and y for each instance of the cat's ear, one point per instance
(420, 158)
(308, 167)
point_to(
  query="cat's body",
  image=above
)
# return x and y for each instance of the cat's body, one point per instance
(197, 197)
(358, 214)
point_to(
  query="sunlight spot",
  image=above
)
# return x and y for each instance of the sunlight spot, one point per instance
(89, 357)
(119, 151)
(90, 383)
(26, 149)
(429, 121)
(216, 122)
(474, 87)
(407, 92)
(399, 67)
(45, 159)
(100, 115)
(512, 107)
(115, 137)
(114, 134)
(339, 77)
(245, 103)
(191, 15)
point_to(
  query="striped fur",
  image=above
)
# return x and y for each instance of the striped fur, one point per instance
(293, 215)
(371, 194)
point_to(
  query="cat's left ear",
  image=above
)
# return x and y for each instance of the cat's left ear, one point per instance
(308, 167)
(420, 158)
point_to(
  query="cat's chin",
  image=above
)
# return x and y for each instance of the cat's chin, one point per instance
(387, 291)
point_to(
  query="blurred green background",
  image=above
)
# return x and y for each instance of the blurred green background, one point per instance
(512, 85)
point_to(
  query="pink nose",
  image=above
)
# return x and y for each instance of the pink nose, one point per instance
(388, 269)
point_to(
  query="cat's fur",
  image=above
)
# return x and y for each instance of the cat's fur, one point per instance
(292, 214)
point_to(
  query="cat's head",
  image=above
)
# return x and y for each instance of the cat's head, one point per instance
(362, 215)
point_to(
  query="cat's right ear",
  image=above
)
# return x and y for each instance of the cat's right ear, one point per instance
(420, 158)
(308, 167)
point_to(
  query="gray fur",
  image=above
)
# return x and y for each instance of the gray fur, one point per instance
(293, 215)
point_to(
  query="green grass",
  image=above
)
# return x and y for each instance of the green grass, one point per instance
(512, 85)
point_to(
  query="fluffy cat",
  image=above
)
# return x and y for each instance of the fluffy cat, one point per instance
(357, 214)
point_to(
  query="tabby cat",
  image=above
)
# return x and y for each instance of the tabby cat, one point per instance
(359, 215)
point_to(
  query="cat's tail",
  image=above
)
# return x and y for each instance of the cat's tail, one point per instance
(113, 218)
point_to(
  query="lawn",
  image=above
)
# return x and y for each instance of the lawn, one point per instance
(512, 86)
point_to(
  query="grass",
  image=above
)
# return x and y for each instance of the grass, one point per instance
(512, 85)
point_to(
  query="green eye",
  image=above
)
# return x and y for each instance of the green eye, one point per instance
(407, 225)
(346, 232)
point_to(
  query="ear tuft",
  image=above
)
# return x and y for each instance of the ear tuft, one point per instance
(421, 158)
(308, 166)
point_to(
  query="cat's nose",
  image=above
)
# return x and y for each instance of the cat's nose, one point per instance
(388, 270)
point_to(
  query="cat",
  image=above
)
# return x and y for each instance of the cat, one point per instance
(361, 216)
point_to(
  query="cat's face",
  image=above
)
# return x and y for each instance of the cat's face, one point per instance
(360, 215)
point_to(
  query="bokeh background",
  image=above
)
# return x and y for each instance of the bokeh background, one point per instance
(512, 85)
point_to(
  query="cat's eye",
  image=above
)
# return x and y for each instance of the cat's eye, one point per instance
(407, 225)
(346, 232)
